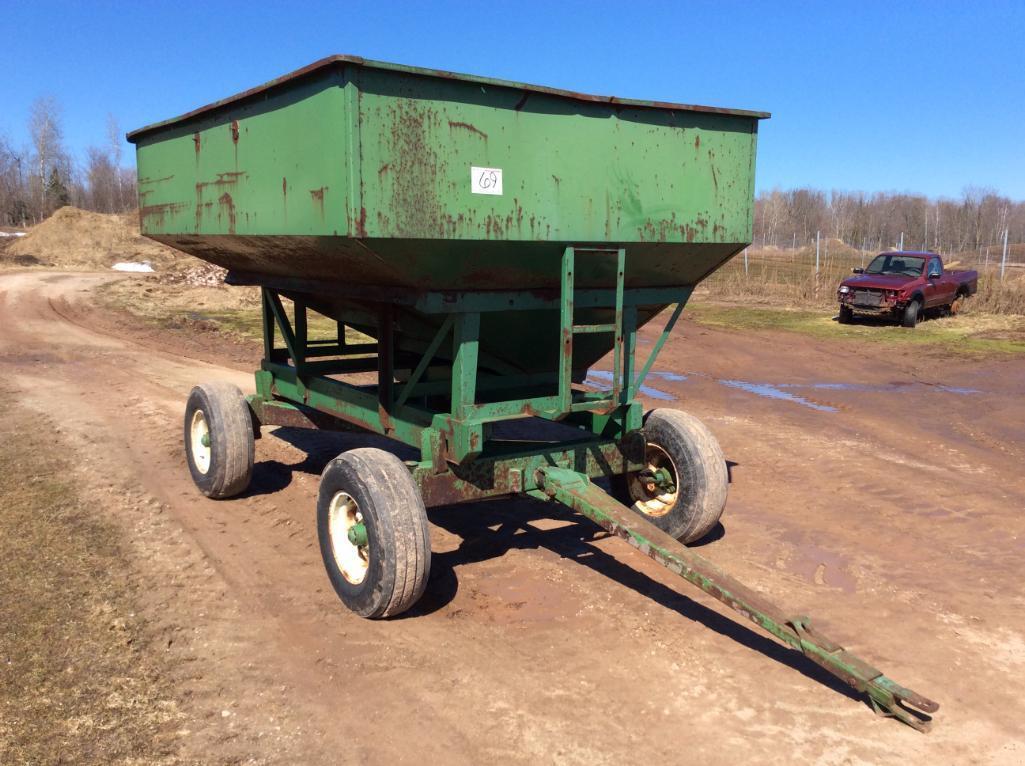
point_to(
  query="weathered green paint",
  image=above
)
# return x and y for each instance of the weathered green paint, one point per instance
(574, 489)
(351, 150)
(349, 182)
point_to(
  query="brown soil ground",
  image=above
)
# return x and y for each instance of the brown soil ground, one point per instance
(890, 511)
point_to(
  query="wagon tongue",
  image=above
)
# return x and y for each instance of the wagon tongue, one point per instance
(886, 697)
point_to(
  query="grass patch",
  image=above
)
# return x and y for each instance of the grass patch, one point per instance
(79, 682)
(971, 334)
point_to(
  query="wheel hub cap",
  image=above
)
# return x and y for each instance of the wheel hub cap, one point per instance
(655, 487)
(199, 442)
(349, 544)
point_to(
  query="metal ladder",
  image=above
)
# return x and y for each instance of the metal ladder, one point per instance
(622, 368)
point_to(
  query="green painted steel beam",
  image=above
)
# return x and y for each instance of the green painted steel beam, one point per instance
(425, 360)
(635, 385)
(518, 470)
(574, 489)
(349, 403)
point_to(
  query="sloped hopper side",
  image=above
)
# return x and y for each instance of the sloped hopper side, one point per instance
(360, 173)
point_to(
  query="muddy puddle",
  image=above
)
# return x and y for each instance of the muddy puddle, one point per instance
(602, 379)
(786, 392)
(883, 388)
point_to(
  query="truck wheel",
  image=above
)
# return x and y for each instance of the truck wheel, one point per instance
(219, 439)
(373, 532)
(846, 315)
(958, 304)
(682, 491)
(910, 318)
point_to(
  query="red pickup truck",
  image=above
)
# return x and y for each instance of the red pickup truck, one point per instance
(904, 285)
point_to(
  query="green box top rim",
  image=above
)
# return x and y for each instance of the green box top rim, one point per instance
(342, 60)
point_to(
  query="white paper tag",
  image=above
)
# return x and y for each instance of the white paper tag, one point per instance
(486, 180)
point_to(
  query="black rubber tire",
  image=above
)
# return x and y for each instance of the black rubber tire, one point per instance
(232, 448)
(398, 536)
(846, 315)
(911, 312)
(701, 475)
(958, 304)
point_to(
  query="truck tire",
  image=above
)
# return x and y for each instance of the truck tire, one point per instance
(682, 445)
(957, 305)
(373, 532)
(846, 315)
(219, 444)
(911, 311)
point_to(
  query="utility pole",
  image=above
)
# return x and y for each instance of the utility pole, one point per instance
(745, 261)
(1003, 259)
(817, 235)
(901, 248)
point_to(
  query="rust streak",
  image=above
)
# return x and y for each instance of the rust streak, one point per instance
(361, 224)
(468, 126)
(154, 216)
(317, 195)
(229, 205)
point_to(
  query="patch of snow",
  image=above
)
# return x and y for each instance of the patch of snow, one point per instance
(129, 266)
(12, 234)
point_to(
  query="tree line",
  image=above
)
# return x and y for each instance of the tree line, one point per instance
(876, 221)
(38, 179)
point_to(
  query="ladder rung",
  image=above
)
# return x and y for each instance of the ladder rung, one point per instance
(584, 328)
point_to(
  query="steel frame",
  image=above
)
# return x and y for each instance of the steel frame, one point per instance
(298, 385)
(303, 380)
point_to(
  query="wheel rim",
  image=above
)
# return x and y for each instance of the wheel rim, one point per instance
(343, 516)
(648, 498)
(199, 442)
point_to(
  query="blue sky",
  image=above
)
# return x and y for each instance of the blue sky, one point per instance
(879, 96)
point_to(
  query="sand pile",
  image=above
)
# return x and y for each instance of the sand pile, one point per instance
(78, 239)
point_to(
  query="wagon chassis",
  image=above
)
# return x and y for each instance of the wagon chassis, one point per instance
(445, 401)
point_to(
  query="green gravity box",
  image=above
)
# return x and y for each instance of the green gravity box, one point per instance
(406, 180)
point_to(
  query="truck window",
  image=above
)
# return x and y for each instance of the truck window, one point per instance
(935, 267)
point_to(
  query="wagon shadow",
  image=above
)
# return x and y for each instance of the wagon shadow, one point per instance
(502, 526)
(492, 528)
(319, 448)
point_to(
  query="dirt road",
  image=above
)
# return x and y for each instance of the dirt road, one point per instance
(881, 494)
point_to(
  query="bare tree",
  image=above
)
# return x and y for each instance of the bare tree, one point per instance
(102, 182)
(973, 222)
(13, 205)
(50, 160)
(114, 141)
